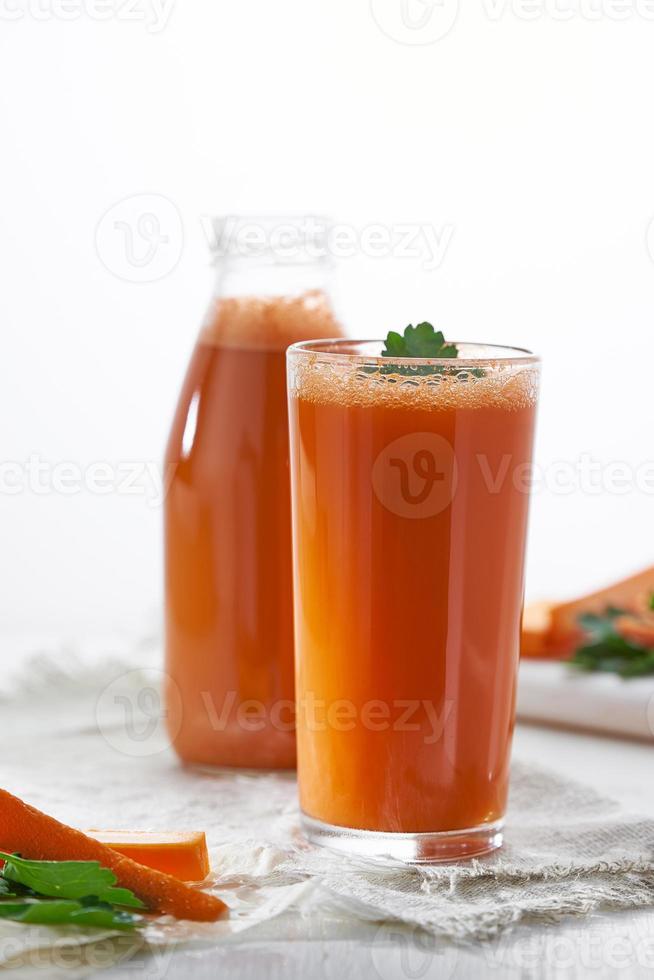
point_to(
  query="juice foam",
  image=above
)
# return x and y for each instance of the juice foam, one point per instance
(502, 385)
(269, 322)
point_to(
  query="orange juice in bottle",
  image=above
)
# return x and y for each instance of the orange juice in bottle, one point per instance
(228, 568)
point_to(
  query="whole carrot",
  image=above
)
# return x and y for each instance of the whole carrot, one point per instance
(39, 837)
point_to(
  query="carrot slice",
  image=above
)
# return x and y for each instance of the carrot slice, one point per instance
(552, 629)
(536, 639)
(636, 629)
(182, 854)
(630, 593)
(37, 836)
(536, 623)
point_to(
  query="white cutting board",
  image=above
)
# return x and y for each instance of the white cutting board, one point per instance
(558, 695)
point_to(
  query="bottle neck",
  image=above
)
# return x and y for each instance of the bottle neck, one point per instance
(273, 283)
(241, 277)
(270, 255)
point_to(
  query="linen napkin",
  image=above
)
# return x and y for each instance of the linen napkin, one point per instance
(567, 851)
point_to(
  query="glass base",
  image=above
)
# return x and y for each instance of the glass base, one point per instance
(447, 845)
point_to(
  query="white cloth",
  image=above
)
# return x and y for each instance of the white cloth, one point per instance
(67, 750)
(557, 694)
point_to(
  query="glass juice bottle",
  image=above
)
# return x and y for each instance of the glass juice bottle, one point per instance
(228, 565)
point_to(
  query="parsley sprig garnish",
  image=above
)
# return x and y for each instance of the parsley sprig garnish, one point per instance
(607, 650)
(420, 341)
(79, 893)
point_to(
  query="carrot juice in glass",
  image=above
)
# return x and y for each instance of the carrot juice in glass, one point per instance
(410, 488)
(228, 562)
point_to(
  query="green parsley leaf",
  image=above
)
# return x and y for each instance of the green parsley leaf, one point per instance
(600, 626)
(8, 890)
(419, 341)
(39, 911)
(394, 345)
(68, 879)
(607, 651)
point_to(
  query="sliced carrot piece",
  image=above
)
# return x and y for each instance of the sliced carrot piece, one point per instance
(37, 836)
(536, 640)
(552, 629)
(636, 629)
(631, 593)
(181, 854)
(536, 622)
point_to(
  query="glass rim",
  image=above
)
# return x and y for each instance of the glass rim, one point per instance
(331, 350)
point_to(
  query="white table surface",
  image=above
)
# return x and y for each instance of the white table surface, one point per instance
(599, 946)
(602, 946)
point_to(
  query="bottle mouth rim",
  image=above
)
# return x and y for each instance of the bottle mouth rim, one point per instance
(470, 354)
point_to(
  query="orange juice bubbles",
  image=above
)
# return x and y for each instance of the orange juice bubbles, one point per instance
(410, 499)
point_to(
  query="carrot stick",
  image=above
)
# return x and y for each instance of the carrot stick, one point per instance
(182, 854)
(38, 837)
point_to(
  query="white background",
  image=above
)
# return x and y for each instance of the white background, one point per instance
(527, 132)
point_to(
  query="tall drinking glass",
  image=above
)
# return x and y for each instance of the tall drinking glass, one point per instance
(410, 492)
